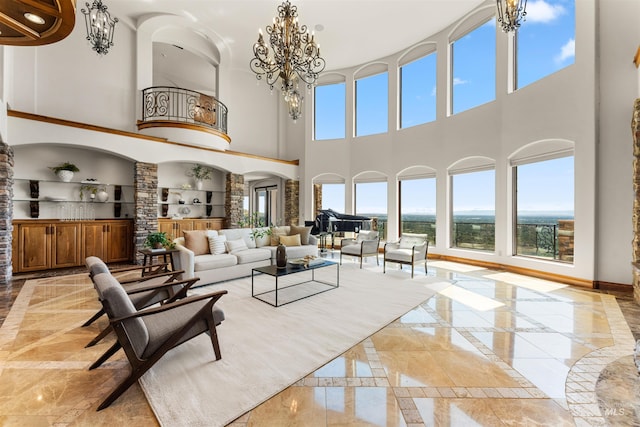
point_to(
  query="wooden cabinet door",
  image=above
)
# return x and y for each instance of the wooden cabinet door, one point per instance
(167, 226)
(119, 243)
(94, 235)
(182, 225)
(35, 247)
(201, 224)
(65, 245)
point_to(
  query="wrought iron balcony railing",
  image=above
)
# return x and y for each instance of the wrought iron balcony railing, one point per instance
(480, 236)
(173, 104)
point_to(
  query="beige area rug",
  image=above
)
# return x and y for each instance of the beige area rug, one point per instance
(265, 349)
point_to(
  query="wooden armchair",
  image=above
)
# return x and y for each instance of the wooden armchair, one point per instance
(146, 335)
(410, 249)
(364, 245)
(144, 291)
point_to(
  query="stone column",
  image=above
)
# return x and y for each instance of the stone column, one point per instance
(291, 202)
(6, 215)
(635, 131)
(145, 197)
(317, 199)
(233, 199)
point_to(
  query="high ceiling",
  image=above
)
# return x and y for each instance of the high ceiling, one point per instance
(350, 32)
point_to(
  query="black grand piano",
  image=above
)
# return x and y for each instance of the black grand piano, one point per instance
(330, 221)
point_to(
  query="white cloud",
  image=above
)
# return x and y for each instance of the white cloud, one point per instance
(459, 81)
(541, 11)
(433, 91)
(568, 50)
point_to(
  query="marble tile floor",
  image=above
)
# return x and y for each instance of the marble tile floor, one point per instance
(493, 349)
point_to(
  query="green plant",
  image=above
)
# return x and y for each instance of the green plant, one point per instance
(159, 238)
(255, 221)
(200, 172)
(87, 187)
(66, 166)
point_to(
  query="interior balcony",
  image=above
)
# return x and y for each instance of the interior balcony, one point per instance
(184, 116)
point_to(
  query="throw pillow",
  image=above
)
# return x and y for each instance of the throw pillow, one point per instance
(217, 244)
(236, 245)
(304, 233)
(290, 240)
(196, 241)
(408, 241)
(276, 232)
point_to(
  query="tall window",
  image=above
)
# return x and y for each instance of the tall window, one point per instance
(418, 91)
(546, 41)
(474, 208)
(333, 197)
(474, 68)
(371, 201)
(418, 207)
(330, 101)
(372, 104)
(544, 209)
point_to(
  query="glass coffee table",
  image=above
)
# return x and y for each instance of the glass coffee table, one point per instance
(293, 283)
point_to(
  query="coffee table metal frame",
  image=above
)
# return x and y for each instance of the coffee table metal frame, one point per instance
(276, 272)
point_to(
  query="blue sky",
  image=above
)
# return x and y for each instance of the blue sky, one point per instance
(546, 44)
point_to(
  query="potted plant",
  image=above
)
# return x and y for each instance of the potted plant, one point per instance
(91, 189)
(65, 171)
(158, 240)
(199, 174)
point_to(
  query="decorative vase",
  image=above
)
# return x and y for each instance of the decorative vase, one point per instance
(199, 184)
(102, 196)
(65, 175)
(281, 256)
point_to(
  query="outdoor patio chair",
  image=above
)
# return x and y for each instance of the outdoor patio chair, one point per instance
(410, 249)
(365, 244)
(146, 335)
(143, 291)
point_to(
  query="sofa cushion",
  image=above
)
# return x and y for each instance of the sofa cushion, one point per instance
(367, 235)
(209, 262)
(300, 251)
(252, 255)
(304, 233)
(409, 240)
(276, 232)
(236, 245)
(239, 233)
(217, 244)
(290, 240)
(196, 241)
(399, 255)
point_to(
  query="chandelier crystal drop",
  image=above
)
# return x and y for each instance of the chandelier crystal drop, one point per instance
(100, 26)
(511, 13)
(291, 56)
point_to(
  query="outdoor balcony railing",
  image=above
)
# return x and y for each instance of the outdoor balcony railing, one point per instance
(480, 236)
(421, 227)
(554, 241)
(173, 104)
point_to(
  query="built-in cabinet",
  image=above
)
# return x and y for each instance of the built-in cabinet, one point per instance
(45, 244)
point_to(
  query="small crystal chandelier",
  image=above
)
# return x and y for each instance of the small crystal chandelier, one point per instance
(293, 56)
(511, 13)
(100, 27)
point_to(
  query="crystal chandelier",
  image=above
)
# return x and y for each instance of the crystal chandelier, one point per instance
(100, 26)
(293, 55)
(511, 13)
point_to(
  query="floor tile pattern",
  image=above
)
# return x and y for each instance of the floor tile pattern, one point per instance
(493, 348)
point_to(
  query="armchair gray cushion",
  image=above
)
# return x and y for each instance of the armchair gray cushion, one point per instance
(365, 244)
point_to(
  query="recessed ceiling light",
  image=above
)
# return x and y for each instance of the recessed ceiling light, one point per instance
(319, 27)
(34, 18)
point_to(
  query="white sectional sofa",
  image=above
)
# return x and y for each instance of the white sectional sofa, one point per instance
(242, 252)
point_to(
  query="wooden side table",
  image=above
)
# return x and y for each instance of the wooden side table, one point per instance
(151, 257)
